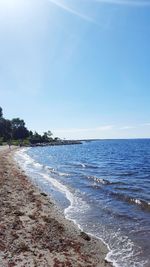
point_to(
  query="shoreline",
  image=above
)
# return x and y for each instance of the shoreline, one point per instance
(33, 232)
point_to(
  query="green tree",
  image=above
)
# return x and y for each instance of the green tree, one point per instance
(16, 123)
(47, 136)
(16, 129)
(5, 129)
(35, 138)
(19, 131)
(1, 112)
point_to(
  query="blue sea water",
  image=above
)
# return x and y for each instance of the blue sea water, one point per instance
(104, 187)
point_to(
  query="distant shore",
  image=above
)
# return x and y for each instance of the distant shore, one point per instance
(58, 143)
(33, 232)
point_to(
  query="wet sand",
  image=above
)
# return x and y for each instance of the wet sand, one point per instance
(33, 232)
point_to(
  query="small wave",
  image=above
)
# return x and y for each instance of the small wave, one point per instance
(26, 161)
(131, 173)
(63, 174)
(99, 180)
(38, 165)
(23, 159)
(90, 166)
(83, 165)
(77, 204)
(53, 171)
(104, 181)
(49, 168)
(128, 188)
(144, 205)
(77, 164)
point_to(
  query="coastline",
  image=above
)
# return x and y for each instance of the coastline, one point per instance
(33, 232)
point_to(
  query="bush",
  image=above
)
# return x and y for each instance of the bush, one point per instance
(15, 142)
(26, 142)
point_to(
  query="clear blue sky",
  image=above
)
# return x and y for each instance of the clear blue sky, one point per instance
(80, 68)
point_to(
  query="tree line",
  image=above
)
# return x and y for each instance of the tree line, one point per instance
(15, 131)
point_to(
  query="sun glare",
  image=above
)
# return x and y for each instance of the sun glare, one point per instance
(10, 4)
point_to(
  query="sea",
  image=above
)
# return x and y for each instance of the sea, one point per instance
(103, 187)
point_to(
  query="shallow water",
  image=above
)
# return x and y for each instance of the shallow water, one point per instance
(103, 186)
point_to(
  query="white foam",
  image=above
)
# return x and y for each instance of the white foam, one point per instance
(78, 164)
(59, 173)
(83, 165)
(63, 174)
(22, 158)
(76, 203)
(25, 161)
(62, 188)
(126, 255)
(137, 201)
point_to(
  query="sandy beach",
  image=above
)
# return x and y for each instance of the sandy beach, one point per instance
(33, 232)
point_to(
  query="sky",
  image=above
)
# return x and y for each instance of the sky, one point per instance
(80, 68)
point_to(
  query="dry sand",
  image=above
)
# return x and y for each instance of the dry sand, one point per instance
(33, 232)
